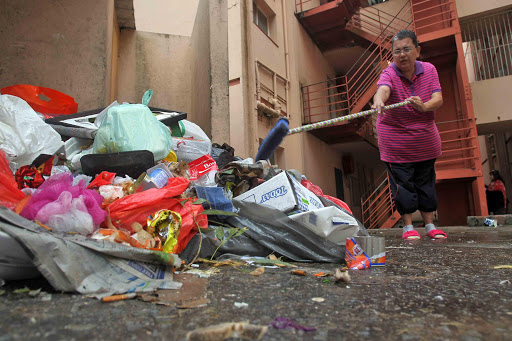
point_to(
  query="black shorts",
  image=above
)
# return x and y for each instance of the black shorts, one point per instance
(413, 186)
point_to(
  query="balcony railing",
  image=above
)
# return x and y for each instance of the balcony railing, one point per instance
(338, 96)
(433, 15)
(459, 143)
(488, 46)
(305, 5)
(377, 22)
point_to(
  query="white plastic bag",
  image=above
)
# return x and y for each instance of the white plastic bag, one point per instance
(109, 192)
(23, 134)
(194, 143)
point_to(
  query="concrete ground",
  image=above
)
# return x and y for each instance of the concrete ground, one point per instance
(429, 290)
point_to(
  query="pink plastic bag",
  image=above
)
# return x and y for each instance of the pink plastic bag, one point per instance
(58, 197)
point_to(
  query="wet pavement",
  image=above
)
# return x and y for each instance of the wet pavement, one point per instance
(429, 290)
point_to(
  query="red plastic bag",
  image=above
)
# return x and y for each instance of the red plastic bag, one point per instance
(10, 195)
(137, 207)
(318, 191)
(104, 178)
(59, 103)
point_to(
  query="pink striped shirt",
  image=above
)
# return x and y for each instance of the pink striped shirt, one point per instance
(405, 134)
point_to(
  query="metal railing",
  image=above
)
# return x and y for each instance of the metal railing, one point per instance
(433, 15)
(376, 22)
(377, 206)
(489, 45)
(338, 96)
(459, 144)
(306, 5)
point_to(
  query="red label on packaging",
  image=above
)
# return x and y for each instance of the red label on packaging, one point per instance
(201, 166)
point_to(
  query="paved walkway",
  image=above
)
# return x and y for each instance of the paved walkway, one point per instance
(429, 290)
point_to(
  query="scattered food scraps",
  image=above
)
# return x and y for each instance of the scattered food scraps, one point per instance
(341, 276)
(273, 257)
(258, 272)
(318, 299)
(223, 331)
(502, 267)
(299, 272)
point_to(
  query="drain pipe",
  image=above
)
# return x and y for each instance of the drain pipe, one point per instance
(286, 54)
(268, 110)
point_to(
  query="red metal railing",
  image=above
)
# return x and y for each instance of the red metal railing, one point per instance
(433, 15)
(377, 207)
(459, 141)
(338, 97)
(304, 5)
(377, 22)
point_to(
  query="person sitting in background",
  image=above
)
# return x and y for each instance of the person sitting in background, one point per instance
(496, 194)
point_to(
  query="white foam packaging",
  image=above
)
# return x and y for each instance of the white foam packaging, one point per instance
(330, 223)
(284, 193)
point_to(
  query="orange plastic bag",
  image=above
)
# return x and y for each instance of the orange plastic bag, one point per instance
(59, 103)
(10, 194)
(137, 207)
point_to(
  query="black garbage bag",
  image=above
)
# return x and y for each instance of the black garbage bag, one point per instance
(280, 234)
(223, 154)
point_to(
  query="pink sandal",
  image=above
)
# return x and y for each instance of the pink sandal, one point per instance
(437, 234)
(411, 235)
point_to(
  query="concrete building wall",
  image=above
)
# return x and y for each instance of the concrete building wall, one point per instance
(467, 8)
(63, 45)
(200, 63)
(491, 100)
(176, 17)
(236, 94)
(312, 67)
(155, 61)
(219, 71)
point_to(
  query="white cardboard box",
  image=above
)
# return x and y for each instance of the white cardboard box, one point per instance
(284, 193)
(330, 223)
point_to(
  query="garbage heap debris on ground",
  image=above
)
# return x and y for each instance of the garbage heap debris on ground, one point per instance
(119, 198)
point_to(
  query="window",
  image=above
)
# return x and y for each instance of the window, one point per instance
(259, 18)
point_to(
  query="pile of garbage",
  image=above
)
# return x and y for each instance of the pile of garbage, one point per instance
(121, 179)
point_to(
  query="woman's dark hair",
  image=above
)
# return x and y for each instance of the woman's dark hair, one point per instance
(496, 174)
(403, 34)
